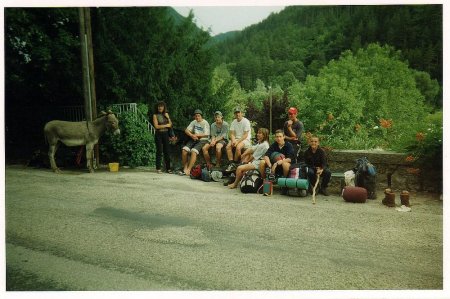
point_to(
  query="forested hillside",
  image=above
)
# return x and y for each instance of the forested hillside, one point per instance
(301, 40)
(361, 76)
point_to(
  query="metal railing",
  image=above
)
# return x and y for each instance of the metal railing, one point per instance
(120, 108)
(76, 113)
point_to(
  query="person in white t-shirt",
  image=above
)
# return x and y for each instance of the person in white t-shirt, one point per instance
(240, 136)
(198, 131)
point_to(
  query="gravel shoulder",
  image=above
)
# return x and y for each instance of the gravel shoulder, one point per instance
(138, 230)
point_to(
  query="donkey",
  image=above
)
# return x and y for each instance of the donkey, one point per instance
(78, 133)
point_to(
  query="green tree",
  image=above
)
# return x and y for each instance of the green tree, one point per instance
(353, 95)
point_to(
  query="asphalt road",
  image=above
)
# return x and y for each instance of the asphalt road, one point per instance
(138, 230)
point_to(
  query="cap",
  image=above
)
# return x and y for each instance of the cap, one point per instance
(292, 110)
(237, 109)
(198, 111)
(218, 113)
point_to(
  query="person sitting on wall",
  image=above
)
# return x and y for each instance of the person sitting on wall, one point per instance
(293, 129)
(252, 156)
(278, 157)
(316, 160)
(219, 139)
(198, 132)
(240, 136)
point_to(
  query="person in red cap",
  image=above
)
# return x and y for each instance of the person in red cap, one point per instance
(293, 129)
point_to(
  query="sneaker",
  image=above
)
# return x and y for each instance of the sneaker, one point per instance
(324, 191)
(231, 167)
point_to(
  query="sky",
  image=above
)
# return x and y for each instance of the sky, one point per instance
(227, 18)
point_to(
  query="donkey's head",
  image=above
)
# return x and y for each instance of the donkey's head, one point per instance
(112, 123)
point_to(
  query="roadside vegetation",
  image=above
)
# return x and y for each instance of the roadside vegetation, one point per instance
(362, 77)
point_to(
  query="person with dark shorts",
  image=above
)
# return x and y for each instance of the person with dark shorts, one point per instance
(198, 132)
(219, 139)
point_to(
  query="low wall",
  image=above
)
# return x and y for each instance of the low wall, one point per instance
(392, 168)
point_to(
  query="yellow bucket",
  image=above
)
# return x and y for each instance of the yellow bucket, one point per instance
(113, 167)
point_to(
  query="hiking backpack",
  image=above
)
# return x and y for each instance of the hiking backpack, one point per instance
(365, 176)
(196, 172)
(297, 171)
(206, 174)
(251, 181)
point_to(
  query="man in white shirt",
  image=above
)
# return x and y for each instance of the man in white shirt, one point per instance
(240, 136)
(198, 131)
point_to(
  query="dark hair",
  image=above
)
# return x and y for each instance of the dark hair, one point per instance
(160, 103)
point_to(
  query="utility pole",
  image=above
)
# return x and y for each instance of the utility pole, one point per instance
(270, 109)
(87, 60)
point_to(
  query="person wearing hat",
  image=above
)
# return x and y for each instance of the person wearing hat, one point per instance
(240, 136)
(219, 139)
(293, 129)
(198, 131)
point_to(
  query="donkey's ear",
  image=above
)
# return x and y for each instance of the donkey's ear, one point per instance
(102, 113)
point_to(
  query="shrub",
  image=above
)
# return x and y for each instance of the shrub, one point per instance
(425, 146)
(135, 146)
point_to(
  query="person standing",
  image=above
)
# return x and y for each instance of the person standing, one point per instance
(316, 160)
(293, 129)
(162, 124)
(198, 130)
(219, 139)
(240, 136)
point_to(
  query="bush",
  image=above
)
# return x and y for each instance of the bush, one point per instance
(135, 146)
(425, 146)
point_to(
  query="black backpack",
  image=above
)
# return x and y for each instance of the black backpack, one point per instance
(251, 181)
(365, 176)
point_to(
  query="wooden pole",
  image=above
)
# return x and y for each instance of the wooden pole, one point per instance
(270, 110)
(84, 64)
(93, 96)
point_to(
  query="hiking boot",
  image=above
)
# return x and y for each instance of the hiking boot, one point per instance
(324, 191)
(404, 198)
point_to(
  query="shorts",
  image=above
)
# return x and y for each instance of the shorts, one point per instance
(195, 146)
(256, 163)
(223, 142)
(247, 144)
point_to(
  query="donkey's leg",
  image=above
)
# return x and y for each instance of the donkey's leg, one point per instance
(89, 152)
(51, 155)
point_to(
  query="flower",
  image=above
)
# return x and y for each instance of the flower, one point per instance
(420, 136)
(386, 123)
(410, 158)
(357, 127)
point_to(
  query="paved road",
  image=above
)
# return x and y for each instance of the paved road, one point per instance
(138, 230)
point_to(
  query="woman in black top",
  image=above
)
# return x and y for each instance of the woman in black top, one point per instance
(162, 124)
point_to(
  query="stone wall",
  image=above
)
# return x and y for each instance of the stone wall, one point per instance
(392, 169)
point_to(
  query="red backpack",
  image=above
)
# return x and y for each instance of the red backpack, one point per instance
(196, 172)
